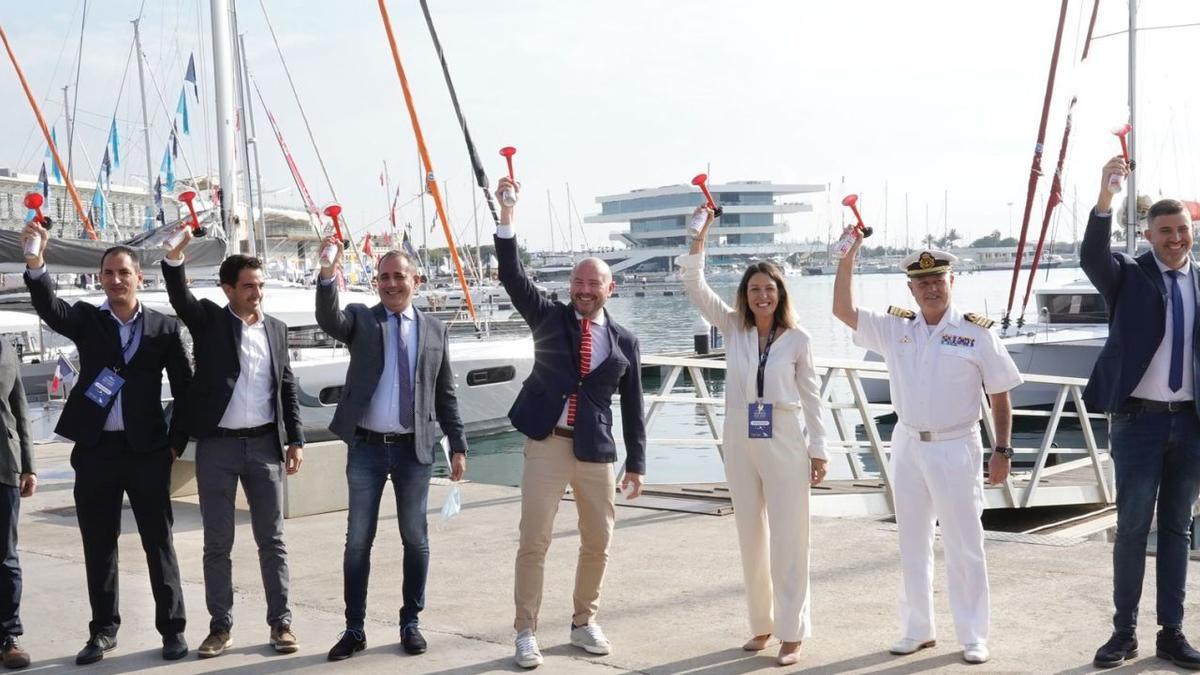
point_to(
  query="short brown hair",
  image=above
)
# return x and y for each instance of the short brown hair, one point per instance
(1165, 207)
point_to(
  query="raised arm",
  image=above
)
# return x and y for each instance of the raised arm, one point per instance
(330, 316)
(186, 306)
(711, 306)
(843, 287)
(1095, 252)
(57, 314)
(532, 305)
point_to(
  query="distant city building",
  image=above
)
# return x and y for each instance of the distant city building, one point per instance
(658, 220)
(126, 206)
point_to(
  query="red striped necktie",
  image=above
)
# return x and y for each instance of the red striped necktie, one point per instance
(585, 365)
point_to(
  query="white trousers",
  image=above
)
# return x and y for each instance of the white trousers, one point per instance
(941, 482)
(768, 479)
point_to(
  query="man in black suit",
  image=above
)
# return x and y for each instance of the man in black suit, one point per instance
(581, 358)
(122, 441)
(1147, 377)
(244, 408)
(17, 480)
(399, 381)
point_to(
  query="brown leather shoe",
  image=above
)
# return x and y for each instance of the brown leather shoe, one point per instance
(13, 655)
(283, 639)
(215, 644)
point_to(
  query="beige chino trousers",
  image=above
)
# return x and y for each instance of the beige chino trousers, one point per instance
(550, 466)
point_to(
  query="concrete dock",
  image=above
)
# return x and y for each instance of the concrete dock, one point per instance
(672, 602)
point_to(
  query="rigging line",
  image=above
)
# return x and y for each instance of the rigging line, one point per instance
(33, 128)
(1148, 28)
(480, 175)
(200, 43)
(170, 116)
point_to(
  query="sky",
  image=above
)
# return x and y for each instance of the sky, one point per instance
(933, 103)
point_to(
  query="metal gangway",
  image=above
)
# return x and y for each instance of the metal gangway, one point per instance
(1056, 476)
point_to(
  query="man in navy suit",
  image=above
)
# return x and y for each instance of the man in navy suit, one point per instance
(1146, 379)
(581, 358)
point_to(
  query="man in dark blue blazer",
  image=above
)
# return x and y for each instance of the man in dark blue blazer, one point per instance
(1146, 378)
(581, 359)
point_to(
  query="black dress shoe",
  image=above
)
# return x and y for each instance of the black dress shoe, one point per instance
(412, 640)
(349, 641)
(94, 650)
(174, 647)
(1174, 647)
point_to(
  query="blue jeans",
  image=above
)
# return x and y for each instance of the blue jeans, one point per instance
(1157, 458)
(367, 468)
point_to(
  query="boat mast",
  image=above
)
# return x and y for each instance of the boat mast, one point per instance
(223, 78)
(1131, 219)
(137, 41)
(239, 80)
(252, 141)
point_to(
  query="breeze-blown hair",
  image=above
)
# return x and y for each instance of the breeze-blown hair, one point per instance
(231, 268)
(785, 316)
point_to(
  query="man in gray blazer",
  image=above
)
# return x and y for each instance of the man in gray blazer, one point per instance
(17, 480)
(399, 381)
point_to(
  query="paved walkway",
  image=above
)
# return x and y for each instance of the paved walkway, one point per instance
(672, 600)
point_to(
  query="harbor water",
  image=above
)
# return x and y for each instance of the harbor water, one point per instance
(664, 324)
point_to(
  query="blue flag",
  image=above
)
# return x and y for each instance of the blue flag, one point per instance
(181, 109)
(53, 164)
(44, 181)
(98, 211)
(115, 143)
(190, 76)
(168, 168)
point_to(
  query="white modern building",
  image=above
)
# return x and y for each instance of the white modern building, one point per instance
(658, 219)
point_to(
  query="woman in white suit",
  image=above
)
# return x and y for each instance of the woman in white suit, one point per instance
(769, 462)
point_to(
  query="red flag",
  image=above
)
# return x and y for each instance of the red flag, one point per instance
(367, 246)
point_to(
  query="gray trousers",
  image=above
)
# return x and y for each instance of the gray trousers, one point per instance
(220, 462)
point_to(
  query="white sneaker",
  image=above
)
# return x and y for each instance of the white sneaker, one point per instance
(591, 639)
(976, 653)
(528, 654)
(908, 646)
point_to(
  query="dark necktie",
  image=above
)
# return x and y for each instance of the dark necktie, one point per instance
(1175, 380)
(403, 376)
(585, 365)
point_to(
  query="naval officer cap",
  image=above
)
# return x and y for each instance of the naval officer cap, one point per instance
(927, 262)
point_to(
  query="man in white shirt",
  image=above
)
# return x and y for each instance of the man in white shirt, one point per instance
(244, 405)
(1146, 379)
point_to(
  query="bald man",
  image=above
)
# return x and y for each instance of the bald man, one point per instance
(581, 358)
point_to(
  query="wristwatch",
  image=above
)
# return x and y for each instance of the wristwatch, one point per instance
(1004, 450)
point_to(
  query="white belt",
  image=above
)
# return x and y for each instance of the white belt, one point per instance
(947, 435)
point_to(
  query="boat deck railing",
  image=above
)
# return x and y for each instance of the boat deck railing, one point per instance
(1057, 475)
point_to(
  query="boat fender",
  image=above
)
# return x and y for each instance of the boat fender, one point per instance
(979, 320)
(901, 312)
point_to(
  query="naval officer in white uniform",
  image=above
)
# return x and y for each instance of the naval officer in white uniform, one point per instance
(941, 362)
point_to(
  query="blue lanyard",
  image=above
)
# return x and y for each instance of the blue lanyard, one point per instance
(762, 360)
(133, 334)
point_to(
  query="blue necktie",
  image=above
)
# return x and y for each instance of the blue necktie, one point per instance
(403, 376)
(1175, 380)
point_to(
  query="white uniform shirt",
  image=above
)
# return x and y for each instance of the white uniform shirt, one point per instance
(383, 414)
(938, 373)
(1154, 383)
(252, 403)
(601, 348)
(790, 378)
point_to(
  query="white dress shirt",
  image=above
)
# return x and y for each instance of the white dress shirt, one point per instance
(383, 414)
(252, 403)
(1154, 383)
(601, 348)
(130, 333)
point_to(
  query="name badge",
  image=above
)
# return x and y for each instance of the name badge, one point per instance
(760, 421)
(104, 387)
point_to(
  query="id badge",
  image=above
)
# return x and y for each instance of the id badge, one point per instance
(104, 387)
(760, 421)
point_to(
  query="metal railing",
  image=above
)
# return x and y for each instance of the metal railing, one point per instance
(1063, 480)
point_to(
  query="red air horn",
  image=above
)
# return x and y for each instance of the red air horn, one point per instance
(701, 181)
(330, 252)
(852, 202)
(34, 200)
(507, 196)
(1117, 181)
(188, 197)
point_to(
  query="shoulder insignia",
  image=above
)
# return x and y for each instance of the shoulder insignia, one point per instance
(901, 312)
(979, 320)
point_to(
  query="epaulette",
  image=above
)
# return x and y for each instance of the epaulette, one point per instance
(901, 312)
(979, 320)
